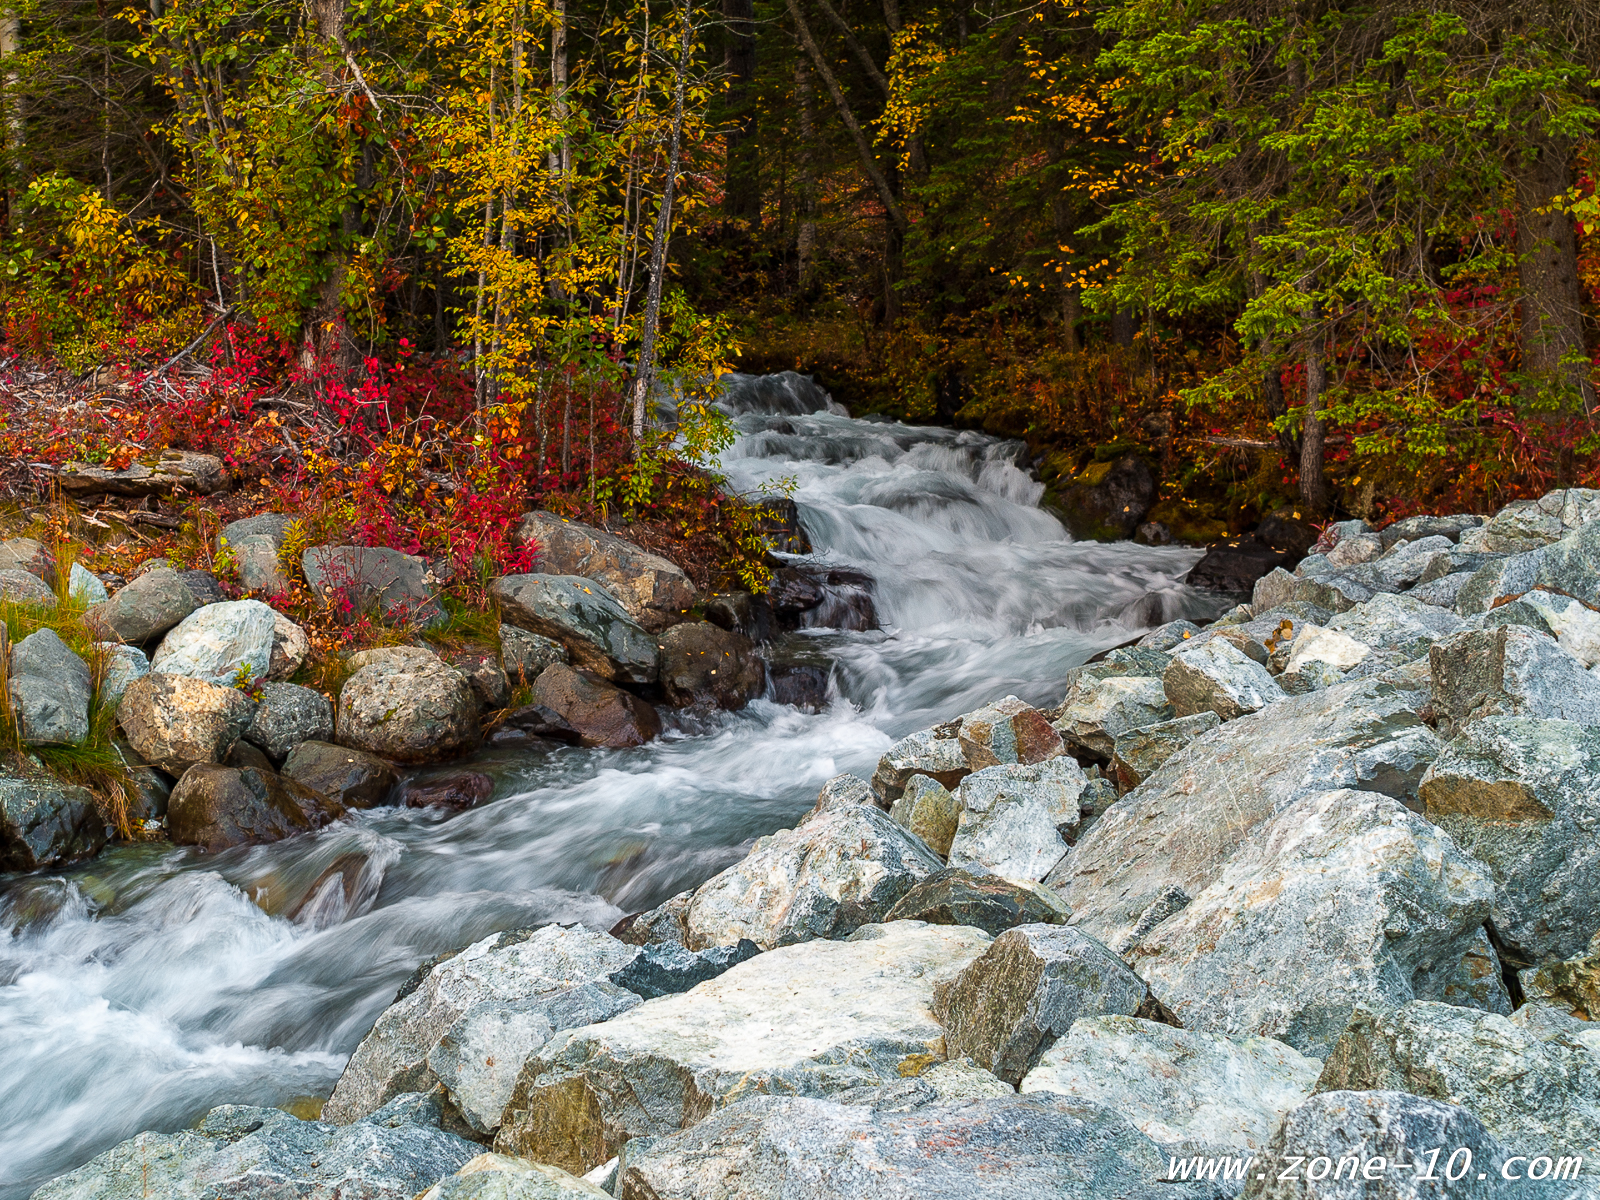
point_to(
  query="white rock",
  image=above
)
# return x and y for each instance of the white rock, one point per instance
(85, 585)
(215, 641)
(1316, 644)
(1217, 676)
(501, 1177)
(1015, 820)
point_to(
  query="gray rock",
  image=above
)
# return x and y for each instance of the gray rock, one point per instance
(838, 871)
(374, 578)
(961, 896)
(288, 715)
(501, 1177)
(1574, 625)
(174, 472)
(1182, 824)
(266, 1153)
(922, 753)
(504, 968)
(664, 925)
(290, 645)
(1169, 636)
(20, 587)
(1523, 795)
(216, 807)
(1509, 670)
(1007, 731)
(353, 777)
(524, 655)
(1389, 1137)
(1001, 1148)
(1339, 899)
(1017, 820)
(843, 791)
(656, 593)
(123, 664)
(1410, 528)
(218, 642)
(1276, 587)
(1216, 676)
(1353, 548)
(1443, 592)
(45, 823)
(255, 557)
(1402, 623)
(929, 811)
(146, 608)
(595, 712)
(272, 525)
(174, 721)
(597, 632)
(1139, 753)
(1095, 712)
(1177, 1085)
(1571, 986)
(813, 1019)
(665, 970)
(407, 705)
(85, 585)
(1027, 989)
(203, 586)
(32, 556)
(1527, 524)
(1498, 580)
(50, 690)
(701, 664)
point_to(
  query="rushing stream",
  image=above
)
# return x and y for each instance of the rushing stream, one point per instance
(144, 988)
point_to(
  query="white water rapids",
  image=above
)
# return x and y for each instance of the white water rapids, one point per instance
(146, 987)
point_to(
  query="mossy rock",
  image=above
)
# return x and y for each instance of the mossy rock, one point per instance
(1188, 522)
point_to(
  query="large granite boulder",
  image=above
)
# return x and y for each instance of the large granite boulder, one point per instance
(1338, 899)
(1523, 796)
(144, 609)
(1399, 623)
(961, 896)
(1528, 524)
(1017, 819)
(405, 704)
(701, 664)
(598, 633)
(353, 777)
(1007, 731)
(374, 578)
(655, 592)
(1216, 676)
(928, 810)
(501, 1177)
(524, 655)
(1179, 828)
(50, 690)
(1010, 1005)
(45, 823)
(1097, 711)
(1177, 1085)
(598, 713)
(236, 1150)
(214, 807)
(1509, 670)
(1138, 753)
(1574, 625)
(30, 555)
(812, 1019)
(503, 969)
(842, 869)
(175, 721)
(219, 643)
(288, 715)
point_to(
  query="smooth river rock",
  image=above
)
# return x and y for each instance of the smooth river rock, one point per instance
(701, 664)
(145, 609)
(214, 807)
(175, 721)
(353, 777)
(219, 643)
(597, 713)
(45, 823)
(50, 690)
(655, 592)
(407, 705)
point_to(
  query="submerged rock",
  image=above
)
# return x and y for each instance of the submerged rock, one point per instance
(701, 664)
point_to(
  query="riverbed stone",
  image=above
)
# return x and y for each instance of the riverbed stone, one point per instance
(219, 642)
(666, 970)
(353, 777)
(1011, 1004)
(50, 690)
(928, 810)
(288, 715)
(505, 968)
(21, 587)
(176, 721)
(44, 822)
(122, 665)
(1007, 731)
(144, 609)
(843, 791)
(812, 1019)
(701, 664)
(524, 655)
(1177, 1085)
(216, 807)
(598, 633)
(1523, 795)
(1095, 712)
(1340, 898)
(1017, 820)
(242, 1151)
(1509, 670)
(1138, 753)
(598, 712)
(374, 578)
(1217, 676)
(410, 708)
(1449, 527)
(655, 592)
(1169, 636)
(981, 899)
(927, 752)
(842, 869)
(502, 1177)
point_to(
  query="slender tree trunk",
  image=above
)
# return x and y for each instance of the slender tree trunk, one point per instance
(1313, 481)
(10, 44)
(1547, 265)
(806, 235)
(741, 193)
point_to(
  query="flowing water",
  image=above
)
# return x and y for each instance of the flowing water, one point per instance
(144, 988)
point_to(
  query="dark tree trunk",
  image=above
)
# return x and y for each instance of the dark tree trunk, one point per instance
(741, 199)
(1313, 480)
(1547, 250)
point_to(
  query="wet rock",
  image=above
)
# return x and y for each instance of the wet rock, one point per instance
(998, 1148)
(964, 896)
(501, 1177)
(1339, 899)
(373, 579)
(1017, 820)
(1523, 796)
(925, 752)
(143, 610)
(1153, 533)
(1509, 670)
(288, 715)
(597, 632)
(50, 690)
(1177, 1085)
(843, 791)
(811, 1019)
(524, 655)
(174, 721)
(1108, 500)
(218, 642)
(656, 593)
(354, 778)
(1286, 531)
(666, 970)
(1540, 1094)
(537, 721)
(602, 715)
(32, 556)
(175, 472)
(215, 807)
(46, 823)
(458, 791)
(504, 968)
(1027, 989)
(798, 683)
(1096, 712)
(1233, 566)
(1528, 524)
(840, 870)
(409, 707)
(740, 612)
(1139, 753)
(1365, 1128)
(701, 664)
(816, 596)
(1182, 824)
(244, 754)
(928, 810)
(21, 587)
(265, 1152)
(1217, 677)
(779, 523)
(84, 585)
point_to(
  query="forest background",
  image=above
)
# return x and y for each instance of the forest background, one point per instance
(415, 264)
